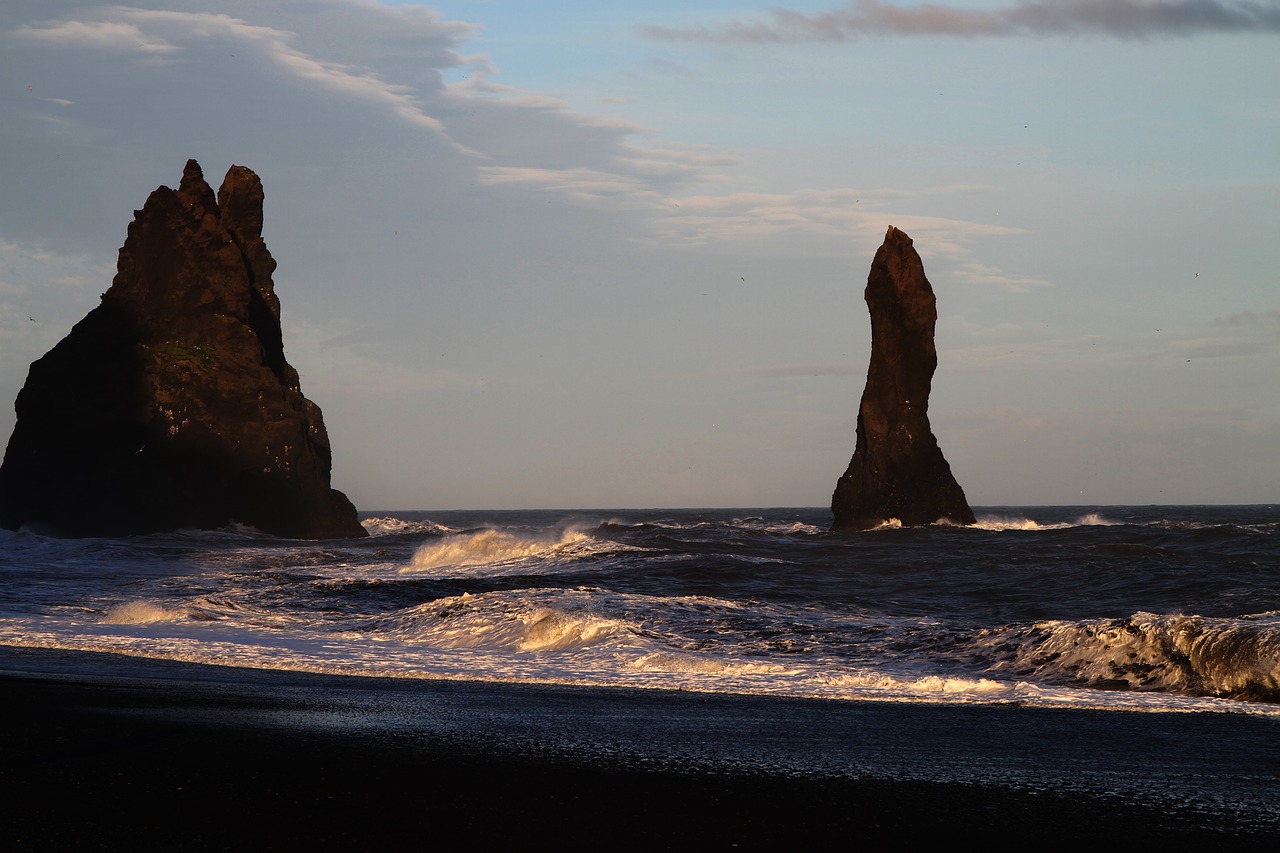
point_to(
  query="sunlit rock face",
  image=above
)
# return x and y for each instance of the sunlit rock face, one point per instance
(171, 404)
(898, 471)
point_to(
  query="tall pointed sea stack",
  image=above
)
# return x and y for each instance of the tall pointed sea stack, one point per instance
(171, 405)
(897, 470)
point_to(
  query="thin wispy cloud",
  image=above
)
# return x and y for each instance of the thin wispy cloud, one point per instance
(167, 34)
(835, 213)
(976, 273)
(107, 35)
(1245, 335)
(1115, 18)
(588, 186)
(357, 83)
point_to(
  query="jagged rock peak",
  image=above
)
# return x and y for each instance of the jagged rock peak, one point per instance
(898, 471)
(171, 404)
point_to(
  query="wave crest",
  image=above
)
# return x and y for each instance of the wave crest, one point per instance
(489, 546)
(387, 526)
(523, 622)
(999, 523)
(1189, 655)
(141, 613)
(554, 630)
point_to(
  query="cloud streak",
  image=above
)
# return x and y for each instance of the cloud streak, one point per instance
(835, 213)
(166, 35)
(1128, 19)
(107, 35)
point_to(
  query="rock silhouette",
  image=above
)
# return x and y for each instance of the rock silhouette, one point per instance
(898, 471)
(171, 404)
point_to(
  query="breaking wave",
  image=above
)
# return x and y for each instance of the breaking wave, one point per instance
(492, 546)
(1190, 655)
(141, 613)
(387, 526)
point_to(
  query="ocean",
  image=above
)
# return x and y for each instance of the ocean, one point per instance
(1150, 609)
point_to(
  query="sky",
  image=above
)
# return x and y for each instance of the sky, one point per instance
(603, 255)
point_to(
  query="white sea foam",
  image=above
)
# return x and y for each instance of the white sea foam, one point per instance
(669, 662)
(613, 658)
(998, 523)
(857, 683)
(779, 528)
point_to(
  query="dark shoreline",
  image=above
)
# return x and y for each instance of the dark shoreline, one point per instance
(104, 752)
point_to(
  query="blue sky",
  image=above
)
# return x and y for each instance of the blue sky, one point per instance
(606, 255)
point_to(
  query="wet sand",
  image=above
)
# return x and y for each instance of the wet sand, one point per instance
(110, 753)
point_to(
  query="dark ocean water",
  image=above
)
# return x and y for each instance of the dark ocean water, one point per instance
(1153, 609)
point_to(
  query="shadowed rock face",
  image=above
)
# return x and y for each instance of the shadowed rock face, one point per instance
(171, 404)
(897, 470)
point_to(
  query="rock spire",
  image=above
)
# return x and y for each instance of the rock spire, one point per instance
(898, 471)
(171, 404)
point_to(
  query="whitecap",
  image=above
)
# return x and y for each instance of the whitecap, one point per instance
(141, 613)
(490, 546)
(387, 526)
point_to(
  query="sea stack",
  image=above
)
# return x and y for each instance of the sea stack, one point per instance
(898, 471)
(171, 405)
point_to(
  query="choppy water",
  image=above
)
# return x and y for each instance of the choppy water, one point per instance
(1133, 608)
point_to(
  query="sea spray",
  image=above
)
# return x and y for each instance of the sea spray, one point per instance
(141, 613)
(1001, 522)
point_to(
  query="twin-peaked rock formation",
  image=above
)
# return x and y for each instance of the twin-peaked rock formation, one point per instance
(897, 470)
(171, 405)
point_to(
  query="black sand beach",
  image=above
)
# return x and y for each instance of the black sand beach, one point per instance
(110, 753)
